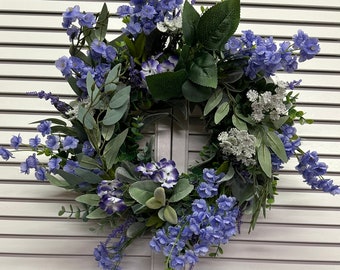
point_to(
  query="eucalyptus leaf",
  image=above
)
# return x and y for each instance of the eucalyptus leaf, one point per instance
(57, 182)
(121, 97)
(142, 191)
(265, 160)
(88, 176)
(213, 101)
(112, 116)
(89, 199)
(107, 132)
(218, 24)
(238, 123)
(170, 215)
(221, 112)
(87, 162)
(113, 75)
(203, 70)
(92, 89)
(229, 175)
(70, 178)
(182, 189)
(85, 117)
(112, 148)
(135, 229)
(98, 213)
(124, 176)
(276, 145)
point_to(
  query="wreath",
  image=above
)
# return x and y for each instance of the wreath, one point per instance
(168, 53)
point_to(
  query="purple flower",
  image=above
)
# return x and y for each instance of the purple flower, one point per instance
(70, 166)
(44, 127)
(40, 174)
(16, 141)
(87, 19)
(209, 175)
(70, 143)
(206, 190)
(34, 142)
(64, 64)
(124, 10)
(110, 54)
(73, 32)
(110, 196)
(88, 149)
(54, 164)
(70, 15)
(52, 142)
(5, 154)
(32, 161)
(225, 203)
(24, 168)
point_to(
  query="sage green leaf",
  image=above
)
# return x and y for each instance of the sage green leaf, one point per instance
(111, 150)
(153, 203)
(135, 229)
(229, 175)
(218, 24)
(92, 89)
(161, 214)
(265, 160)
(113, 75)
(102, 22)
(276, 145)
(182, 189)
(73, 83)
(57, 182)
(166, 85)
(142, 191)
(238, 123)
(221, 112)
(98, 213)
(242, 191)
(88, 176)
(72, 179)
(89, 199)
(190, 19)
(159, 195)
(278, 123)
(53, 120)
(107, 132)
(138, 208)
(124, 176)
(121, 97)
(112, 116)
(87, 162)
(154, 221)
(86, 118)
(213, 101)
(94, 136)
(170, 215)
(194, 92)
(203, 70)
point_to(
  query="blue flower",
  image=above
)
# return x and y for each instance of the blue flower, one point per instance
(52, 142)
(206, 190)
(70, 143)
(44, 127)
(54, 164)
(34, 142)
(64, 64)
(87, 19)
(40, 174)
(16, 141)
(5, 154)
(70, 166)
(110, 196)
(209, 175)
(32, 161)
(70, 15)
(88, 149)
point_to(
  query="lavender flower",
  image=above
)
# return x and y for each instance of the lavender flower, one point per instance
(70, 166)
(40, 173)
(44, 127)
(88, 149)
(312, 170)
(54, 164)
(5, 154)
(16, 141)
(111, 196)
(52, 142)
(70, 143)
(34, 142)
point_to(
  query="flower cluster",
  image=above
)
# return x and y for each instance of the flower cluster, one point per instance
(207, 225)
(168, 55)
(163, 172)
(238, 143)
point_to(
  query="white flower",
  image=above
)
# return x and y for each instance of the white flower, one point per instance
(252, 95)
(170, 24)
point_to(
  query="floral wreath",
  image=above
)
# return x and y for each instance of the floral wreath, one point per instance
(169, 52)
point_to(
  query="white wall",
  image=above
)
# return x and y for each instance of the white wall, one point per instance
(303, 228)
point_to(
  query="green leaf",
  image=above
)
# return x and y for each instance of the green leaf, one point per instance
(170, 215)
(111, 150)
(161, 214)
(86, 118)
(194, 92)
(112, 78)
(218, 24)
(190, 19)
(229, 175)
(238, 123)
(221, 112)
(88, 176)
(121, 97)
(112, 116)
(89, 199)
(203, 70)
(53, 120)
(166, 85)
(142, 191)
(102, 21)
(92, 89)
(153, 203)
(182, 189)
(107, 132)
(135, 229)
(98, 213)
(124, 176)
(159, 195)
(154, 221)
(276, 145)
(72, 179)
(57, 182)
(213, 101)
(265, 160)
(278, 123)
(87, 162)
(73, 83)
(242, 191)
